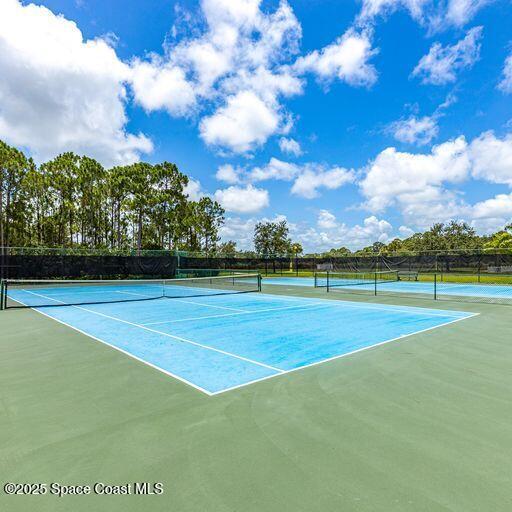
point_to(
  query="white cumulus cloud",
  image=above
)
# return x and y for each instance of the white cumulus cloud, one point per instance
(247, 199)
(459, 12)
(328, 232)
(193, 190)
(441, 64)
(405, 232)
(290, 146)
(241, 230)
(61, 92)
(491, 214)
(275, 170)
(313, 178)
(434, 15)
(228, 173)
(506, 83)
(415, 130)
(420, 130)
(498, 207)
(402, 177)
(492, 158)
(332, 233)
(372, 8)
(423, 186)
(346, 59)
(307, 178)
(229, 72)
(326, 220)
(162, 87)
(245, 122)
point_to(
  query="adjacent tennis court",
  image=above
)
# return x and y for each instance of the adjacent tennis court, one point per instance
(207, 333)
(484, 290)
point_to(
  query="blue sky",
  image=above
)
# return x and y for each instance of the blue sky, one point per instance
(357, 121)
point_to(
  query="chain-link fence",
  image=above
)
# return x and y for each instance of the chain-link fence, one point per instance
(21, 262)
(94, 267)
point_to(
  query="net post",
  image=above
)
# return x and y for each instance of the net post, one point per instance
(328, 280)
(2, 291)
(6, 288)
(259, 282)
(435, 286)
(375, 289)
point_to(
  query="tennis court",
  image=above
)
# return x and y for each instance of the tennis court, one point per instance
(215, 335)
(419, 423)
(483, 290)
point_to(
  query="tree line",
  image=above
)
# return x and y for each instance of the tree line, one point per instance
(73, 201)
(272, 239)
(454, 236)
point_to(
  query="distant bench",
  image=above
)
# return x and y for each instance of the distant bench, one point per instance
(499, 270)
(407, 275)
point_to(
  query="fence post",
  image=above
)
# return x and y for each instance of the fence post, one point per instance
(3, 265)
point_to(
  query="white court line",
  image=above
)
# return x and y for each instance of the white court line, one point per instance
(129, 354)
(124, 292)
(207, 305)
(449, 286)
(151, 297)
(187, 302)
(316, 363)
(443, 289)
(80, 290)
(278, 370)
(179, 338)
(332, 302)
(383, 307)
(363, 305)
(242, 312)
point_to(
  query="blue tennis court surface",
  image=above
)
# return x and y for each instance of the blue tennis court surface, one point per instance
(419, 287)
(219, 342)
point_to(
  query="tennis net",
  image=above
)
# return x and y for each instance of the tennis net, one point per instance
(44, 293)
(211, 272)
(331, 279)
